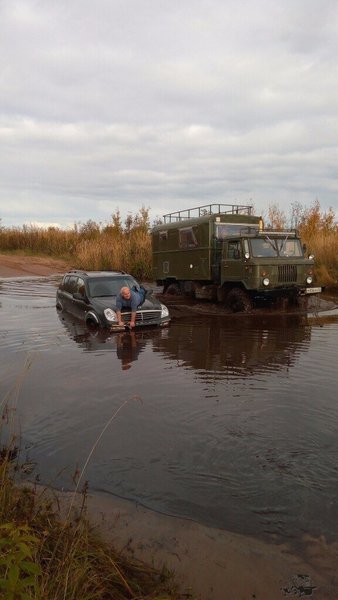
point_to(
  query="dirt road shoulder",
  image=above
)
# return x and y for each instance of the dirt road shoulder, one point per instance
(18, 266)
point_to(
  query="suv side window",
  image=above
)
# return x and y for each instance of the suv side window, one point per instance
(70, 284)
(234, 249)
(80, 286)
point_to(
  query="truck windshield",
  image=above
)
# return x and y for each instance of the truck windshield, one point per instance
(271, 247)
(290, 247)
(263, 247)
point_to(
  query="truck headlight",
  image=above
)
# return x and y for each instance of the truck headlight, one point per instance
(164, 311)
(110, 315)
(266, 281)
(309, 279)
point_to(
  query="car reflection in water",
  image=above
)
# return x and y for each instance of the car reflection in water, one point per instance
(220, 347)
(127, 345)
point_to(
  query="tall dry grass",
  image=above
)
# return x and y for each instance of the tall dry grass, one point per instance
(115, 246)
(130, 253)
(126, 246)
(324, 245)
(318, 230)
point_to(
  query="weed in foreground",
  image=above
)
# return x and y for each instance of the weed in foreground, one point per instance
(44, 555)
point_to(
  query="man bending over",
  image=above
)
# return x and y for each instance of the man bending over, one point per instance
(128, 298)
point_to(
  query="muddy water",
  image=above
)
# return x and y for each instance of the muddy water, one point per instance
(230, 421)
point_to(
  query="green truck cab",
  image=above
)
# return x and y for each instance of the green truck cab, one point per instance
(222, 252)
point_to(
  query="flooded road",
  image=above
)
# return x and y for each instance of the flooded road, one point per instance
(230, 421)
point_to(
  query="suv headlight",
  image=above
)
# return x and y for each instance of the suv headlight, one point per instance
(266, 281)
(309, 279)
(164, 311)
(110, 315)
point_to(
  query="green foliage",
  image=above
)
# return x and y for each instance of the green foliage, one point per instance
(19, 572)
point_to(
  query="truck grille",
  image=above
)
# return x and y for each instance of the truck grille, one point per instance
(143, 316)
(287, 273)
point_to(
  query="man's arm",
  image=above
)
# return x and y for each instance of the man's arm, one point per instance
(119, 318)
(118, 310)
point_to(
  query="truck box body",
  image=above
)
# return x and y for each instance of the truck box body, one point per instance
(186, 249)
(224, 252)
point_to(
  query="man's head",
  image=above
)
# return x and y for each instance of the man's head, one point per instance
(125, 293)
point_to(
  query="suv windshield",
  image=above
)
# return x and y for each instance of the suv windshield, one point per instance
(109, 286)
(283, 247)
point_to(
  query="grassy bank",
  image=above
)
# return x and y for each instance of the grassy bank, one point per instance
(47, 554)
(127, 245)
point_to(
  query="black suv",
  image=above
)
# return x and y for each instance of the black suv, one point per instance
(92, 296)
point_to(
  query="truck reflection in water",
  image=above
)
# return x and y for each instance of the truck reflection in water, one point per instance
(239, 347)
(234, 348)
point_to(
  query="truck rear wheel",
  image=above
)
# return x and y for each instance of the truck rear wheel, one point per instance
(238, 300)
(173, 289)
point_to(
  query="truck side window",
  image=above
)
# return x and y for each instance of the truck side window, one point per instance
(187, 238)
(234, 249)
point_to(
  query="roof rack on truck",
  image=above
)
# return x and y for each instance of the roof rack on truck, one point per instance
(208, 209)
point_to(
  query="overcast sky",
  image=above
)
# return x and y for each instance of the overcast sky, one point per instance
(168, 104)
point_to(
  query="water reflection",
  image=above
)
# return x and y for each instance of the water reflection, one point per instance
(237, 348)
(237, 424)
(207, 345)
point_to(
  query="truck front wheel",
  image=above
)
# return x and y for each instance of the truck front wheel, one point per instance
(238, 300)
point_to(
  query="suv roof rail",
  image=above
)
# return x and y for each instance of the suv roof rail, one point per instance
(208, 209)
(77, 271)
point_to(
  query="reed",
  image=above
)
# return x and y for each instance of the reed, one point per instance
(115, 246)
(126, 246)
(324, 245)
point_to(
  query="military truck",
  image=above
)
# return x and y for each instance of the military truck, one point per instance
(222, 252)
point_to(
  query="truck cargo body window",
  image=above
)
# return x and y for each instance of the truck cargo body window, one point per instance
(163, 235)
(263, 248)
(224, 230)
(187, 238)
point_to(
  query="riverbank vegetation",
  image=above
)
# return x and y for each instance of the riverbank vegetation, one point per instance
(318, 230)
(126, 245)
(45, 553)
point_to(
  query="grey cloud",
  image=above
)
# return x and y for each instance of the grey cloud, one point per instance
(111, 105)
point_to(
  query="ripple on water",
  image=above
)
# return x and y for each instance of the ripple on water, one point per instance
(236, 426)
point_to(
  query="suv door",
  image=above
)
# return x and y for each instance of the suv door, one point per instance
(69, 288)
(80, 305)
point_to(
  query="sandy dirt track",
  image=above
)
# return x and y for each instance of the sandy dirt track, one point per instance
(18, 266)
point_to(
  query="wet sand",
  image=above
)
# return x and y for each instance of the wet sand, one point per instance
(213, 564)
(209, 563)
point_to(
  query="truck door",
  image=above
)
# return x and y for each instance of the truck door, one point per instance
(216, 260)
(232, 261)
